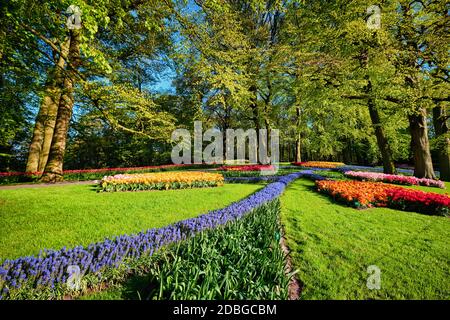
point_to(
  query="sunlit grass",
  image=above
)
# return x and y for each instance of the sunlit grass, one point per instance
(70, 215)
(332, 245)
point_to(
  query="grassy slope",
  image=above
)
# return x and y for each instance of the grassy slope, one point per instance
(332, 245)
(53, 217)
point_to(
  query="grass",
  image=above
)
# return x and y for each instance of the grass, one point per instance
(431, 189)
(70, 215)
(332, 246)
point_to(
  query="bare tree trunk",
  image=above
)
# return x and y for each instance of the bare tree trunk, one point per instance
(423, 165)
(54, 168)
(45, 121)
(442, 134)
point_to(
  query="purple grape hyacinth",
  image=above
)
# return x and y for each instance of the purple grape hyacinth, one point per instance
(50, 266)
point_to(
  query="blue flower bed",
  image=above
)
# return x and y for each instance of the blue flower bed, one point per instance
(309, 174)
(50, 266)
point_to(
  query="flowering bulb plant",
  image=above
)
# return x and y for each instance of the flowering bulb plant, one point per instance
(356, 193)
(253, 167)
(49, 268)
(160, 181)
(394, 178)
(124, 169)
(319, 164)
(370, 194)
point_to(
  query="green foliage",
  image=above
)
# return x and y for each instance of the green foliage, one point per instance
(330, 174)
(295, 66)
(242, 260)
(222, 265)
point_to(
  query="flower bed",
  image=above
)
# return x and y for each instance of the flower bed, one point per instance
(358, 194)
(255, 167)
(160, 181)
(242, 260)
(255, 179)
(407, 172)
(319, 164)
(418, 201)
(49, 268)
(313, 175)
(101, 170)
(92, 174)
(393, 178)
(369, 194)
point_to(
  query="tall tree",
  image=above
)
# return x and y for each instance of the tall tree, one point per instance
(409, 32)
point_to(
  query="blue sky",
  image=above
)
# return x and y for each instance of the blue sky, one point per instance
(164, 84)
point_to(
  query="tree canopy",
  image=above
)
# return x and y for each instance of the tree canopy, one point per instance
(344, 81)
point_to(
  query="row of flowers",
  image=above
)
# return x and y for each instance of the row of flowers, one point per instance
(160, 181)
(319, 164)
(254, 179)
(394, 178)
(369, 194)
(253, 167)
(37, 173)
(404, 171)
(50, 267)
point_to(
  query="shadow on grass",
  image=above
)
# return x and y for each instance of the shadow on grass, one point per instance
(138, 287)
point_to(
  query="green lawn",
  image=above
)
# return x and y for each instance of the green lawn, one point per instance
(332, 245)
(431, 189)
(70, 215)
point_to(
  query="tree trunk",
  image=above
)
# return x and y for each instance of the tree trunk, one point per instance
(45, 121)
(37, 139)
(383, 144)
(423, 165)
(442, 134)
(49, 125)
(54, 168)
(382, 141)
(255, 115)
(298, 141)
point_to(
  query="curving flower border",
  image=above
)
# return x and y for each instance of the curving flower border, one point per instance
(50, 266)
